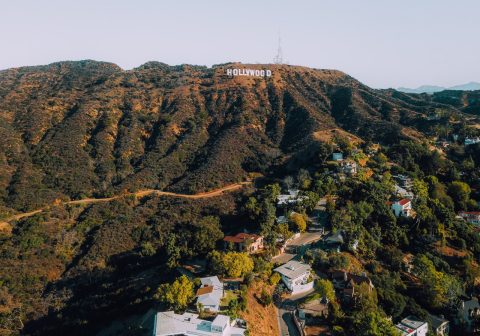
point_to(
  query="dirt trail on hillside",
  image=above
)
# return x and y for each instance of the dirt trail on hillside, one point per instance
(141, 193)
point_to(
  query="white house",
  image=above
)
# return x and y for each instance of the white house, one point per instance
(411, 326)
(403, 193)
(291, 198)
(403, 181)
(349, 167)
(472, 217)
(402, 208)
(210, 293)
(295, 276)
(471, 141)
(188, 324)
(337, 156)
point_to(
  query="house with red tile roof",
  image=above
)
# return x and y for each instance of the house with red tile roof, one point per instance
(244, 242)
(402, 208)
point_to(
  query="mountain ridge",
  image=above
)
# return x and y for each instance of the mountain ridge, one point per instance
(78, 129)
(471, 86)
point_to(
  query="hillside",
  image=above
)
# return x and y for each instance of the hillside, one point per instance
(127, 175)
(71, 130)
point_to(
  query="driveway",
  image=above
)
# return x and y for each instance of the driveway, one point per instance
(285, 321)
(285, 310)
(297, 246)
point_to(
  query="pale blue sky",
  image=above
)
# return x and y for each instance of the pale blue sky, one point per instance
(380, 42)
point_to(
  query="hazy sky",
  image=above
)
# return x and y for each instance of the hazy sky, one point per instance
(383, 43)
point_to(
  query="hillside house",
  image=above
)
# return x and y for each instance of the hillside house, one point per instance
(403, 193)
(209, 294)
(403, 181)
(334, 241)
(349, 167)
(402, 208)
(291, 198)
(188, 324)
(439, 325)
(471, 141)
(345, 283)
(468, 311)
(337, 156)
(411, 326)
(244, 242)
(295, 275)
(472, 217)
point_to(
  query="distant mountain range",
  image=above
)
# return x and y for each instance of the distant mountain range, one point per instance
(472, 86)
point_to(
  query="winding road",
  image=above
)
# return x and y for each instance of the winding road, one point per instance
(140, 194)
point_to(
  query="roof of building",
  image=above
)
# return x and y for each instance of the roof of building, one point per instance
(436, 321)
(211, 281)
(351, 278)
(204, 290)
(241, 237)
(475, 213)
(211, 292)
(470, 304)
(335, 238)
(403, 201)
(412, 322)
(293, 269)
(169, 323)
(221, 320)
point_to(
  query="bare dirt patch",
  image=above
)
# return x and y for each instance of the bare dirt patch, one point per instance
(262, 321)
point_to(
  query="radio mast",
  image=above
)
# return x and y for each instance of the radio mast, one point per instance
(278, 59)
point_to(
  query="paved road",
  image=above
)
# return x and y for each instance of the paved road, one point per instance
(285, 310)
(285, 321)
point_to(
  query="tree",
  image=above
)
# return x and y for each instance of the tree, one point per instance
(298, 221)
(311, 200)
(207, 233)
(366, 297)
(215, 261)
(284, 230)
(440, 289)
(237, 264)
(179, 294)
(460, 193)
(148, 249)
(325, 289)
(304, 179)
(372, 323)
(274, 278)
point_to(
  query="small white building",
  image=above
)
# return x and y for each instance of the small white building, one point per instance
(402, 208)
(349, 167)
(403, 193)
(295, 276)
(210, 294)
(471, 141)
(337, 156)
(291, 198)
(411, 326)
(472, 217)
(188, 324)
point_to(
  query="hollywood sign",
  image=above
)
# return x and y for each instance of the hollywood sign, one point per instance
(249, 72)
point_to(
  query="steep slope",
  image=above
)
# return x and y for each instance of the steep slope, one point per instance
(75, 129)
